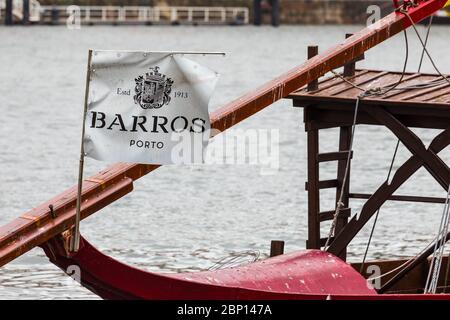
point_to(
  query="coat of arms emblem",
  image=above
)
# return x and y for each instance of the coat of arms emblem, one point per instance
(153, 90)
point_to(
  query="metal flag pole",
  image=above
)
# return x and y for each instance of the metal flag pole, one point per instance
(75, 243)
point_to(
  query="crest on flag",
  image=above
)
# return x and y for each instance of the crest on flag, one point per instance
(149, 108)
(153, 90)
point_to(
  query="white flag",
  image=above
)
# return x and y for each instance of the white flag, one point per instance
(141, 104)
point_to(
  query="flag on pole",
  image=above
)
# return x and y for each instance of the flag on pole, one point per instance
(142, 105)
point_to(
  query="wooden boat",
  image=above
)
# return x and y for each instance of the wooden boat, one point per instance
(302, 275)
(309, 274)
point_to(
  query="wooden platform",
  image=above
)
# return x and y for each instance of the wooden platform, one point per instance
(330, 103)
(420, 107)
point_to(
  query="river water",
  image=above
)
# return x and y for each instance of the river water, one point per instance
(185, 218)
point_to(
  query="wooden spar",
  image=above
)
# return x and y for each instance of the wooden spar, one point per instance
(37, 226)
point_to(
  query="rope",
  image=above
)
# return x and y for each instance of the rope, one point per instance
(378, 211)
(378, 92)
(365, 93)
(382, 91)
(340, 204)
(419, 86)
(236, 259)
(436, 262)
(424, 45)
(407, 263)
(430, 23)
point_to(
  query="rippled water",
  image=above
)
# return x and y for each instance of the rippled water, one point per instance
(187, 218)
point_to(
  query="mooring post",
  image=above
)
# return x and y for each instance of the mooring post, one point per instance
(26, 12)
(8, 12)
(349, 68)
(276, 248)
(55, 15)
(312, 52)
(257, 12)
(275, 12)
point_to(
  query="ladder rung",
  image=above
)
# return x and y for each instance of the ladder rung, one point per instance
(333, 156)
(329, 215)
(325, 184)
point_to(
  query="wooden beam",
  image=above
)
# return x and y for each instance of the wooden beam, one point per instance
(333, 156)
(324, 184)
(401, 198)
(384, 192)
(435, 166)
(313, 241)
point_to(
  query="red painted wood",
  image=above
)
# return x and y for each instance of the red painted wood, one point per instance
(303, 274)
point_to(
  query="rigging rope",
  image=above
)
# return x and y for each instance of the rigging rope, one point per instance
(433, 276)
(418, 86)
(424, 45)
(407, 263)
(436, 262)
(438, 254)
(379, 209)
(340, 204)
(365, 93)
(382, 91)
(430, 23)
(236, 259)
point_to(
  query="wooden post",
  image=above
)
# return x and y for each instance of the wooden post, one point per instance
(257, 12)
(26, 12)
(276, 248)
(312, 52)
(313, 189)
(349, 68)
(275, 13)
(344, 145)
(55, 15)
(8, 13)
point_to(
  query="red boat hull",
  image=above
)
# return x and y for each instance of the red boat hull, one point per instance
(310, 274)
(303, 275)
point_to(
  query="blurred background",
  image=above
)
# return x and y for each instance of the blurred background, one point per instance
(196, 12)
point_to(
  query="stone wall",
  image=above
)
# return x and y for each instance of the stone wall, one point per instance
(328, 11)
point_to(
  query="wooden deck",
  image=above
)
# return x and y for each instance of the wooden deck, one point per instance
(419, 100)
(425, 106)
